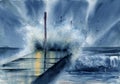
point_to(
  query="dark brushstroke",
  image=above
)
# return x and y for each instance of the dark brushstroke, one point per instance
(112, 54)
(16, 60)
(96, 69)
(38, 46)
(53, 72)
(49, 48)
(45, 39)
(102, 49)
(9, 65)
(13, 70)
(5, 49)
(9, 48)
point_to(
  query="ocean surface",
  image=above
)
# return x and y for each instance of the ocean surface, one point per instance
(94, 66)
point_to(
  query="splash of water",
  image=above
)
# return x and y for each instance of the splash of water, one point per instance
(61, 34)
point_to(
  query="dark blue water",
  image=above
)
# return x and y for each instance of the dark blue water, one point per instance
(94, 66)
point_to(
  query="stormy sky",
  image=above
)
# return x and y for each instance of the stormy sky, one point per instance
(88, 22)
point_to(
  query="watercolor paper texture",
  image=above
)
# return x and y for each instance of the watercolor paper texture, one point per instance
(59, 41)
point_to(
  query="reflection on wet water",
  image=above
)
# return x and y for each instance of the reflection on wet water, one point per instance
(27, 68)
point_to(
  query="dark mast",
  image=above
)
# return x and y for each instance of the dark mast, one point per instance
(45, 39)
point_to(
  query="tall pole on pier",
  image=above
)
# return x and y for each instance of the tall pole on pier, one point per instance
(45, 39)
